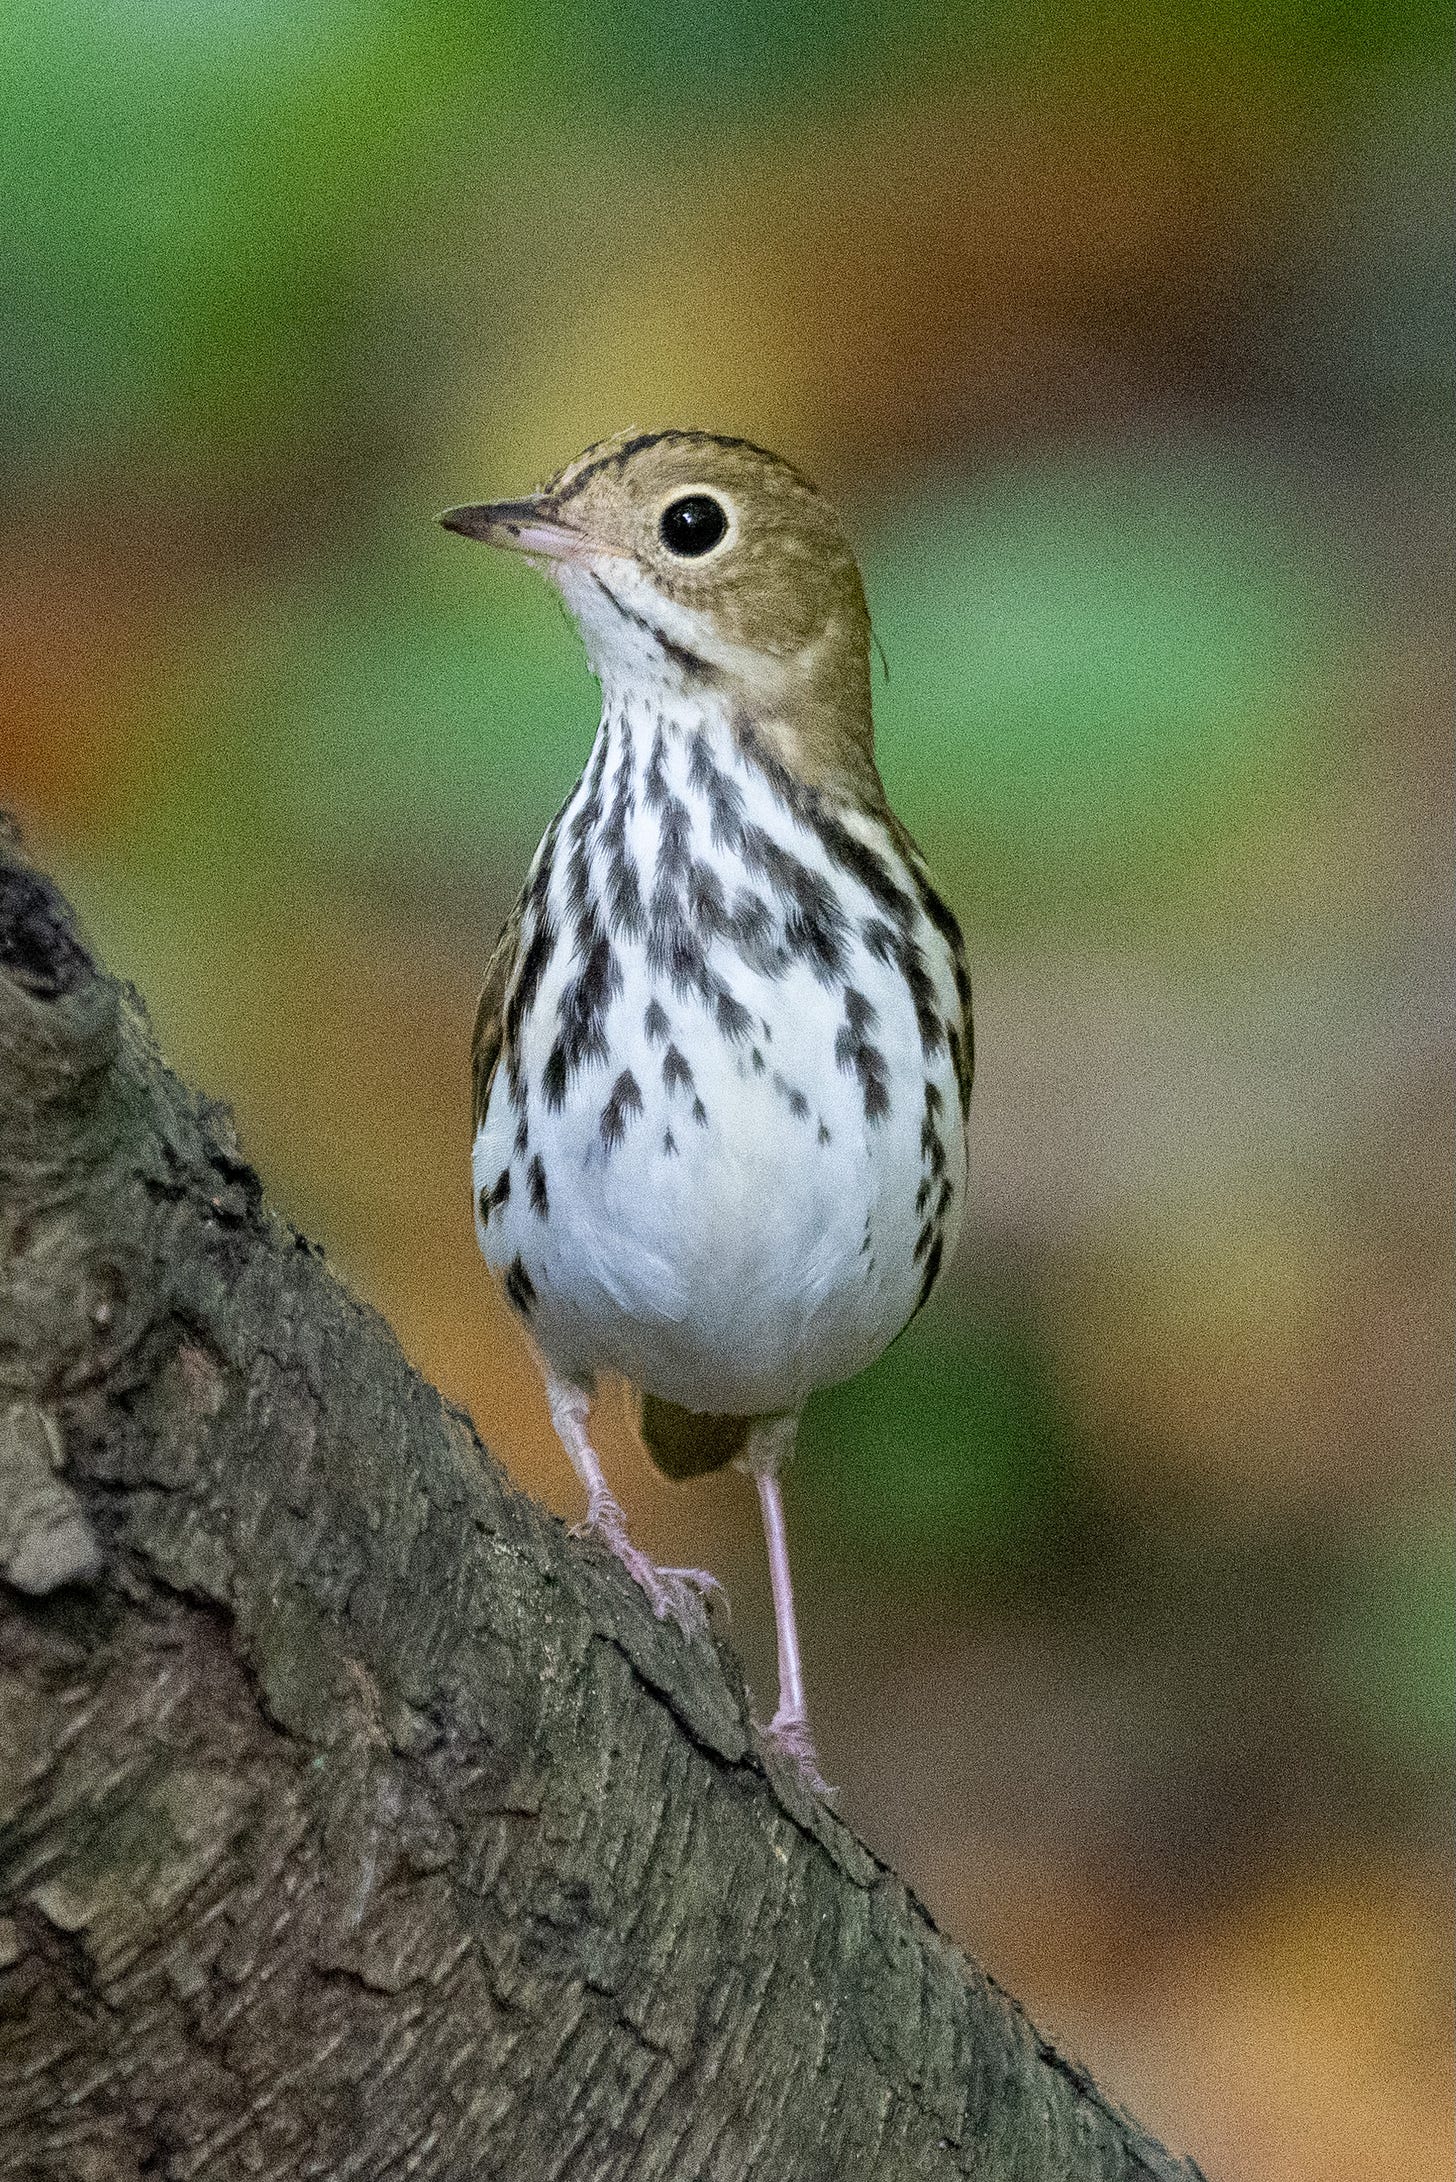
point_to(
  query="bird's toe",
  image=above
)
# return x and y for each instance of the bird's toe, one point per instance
(789, 1737)
(675, 1594)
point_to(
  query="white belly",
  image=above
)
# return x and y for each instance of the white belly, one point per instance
(728, 1219)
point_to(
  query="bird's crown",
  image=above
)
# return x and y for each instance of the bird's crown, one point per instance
(706, 563)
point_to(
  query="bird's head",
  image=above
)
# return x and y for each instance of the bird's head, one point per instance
(713, 571)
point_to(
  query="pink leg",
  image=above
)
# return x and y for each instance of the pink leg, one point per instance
(789, 1729)
(676, 1593)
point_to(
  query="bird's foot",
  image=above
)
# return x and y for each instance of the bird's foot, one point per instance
(790, 1735)
(676, 1594)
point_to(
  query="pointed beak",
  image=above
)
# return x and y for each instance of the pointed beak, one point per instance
(521, 526)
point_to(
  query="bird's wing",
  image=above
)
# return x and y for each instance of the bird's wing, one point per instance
(485, 1049)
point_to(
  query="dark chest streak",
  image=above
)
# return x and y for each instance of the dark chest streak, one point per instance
(681, 911)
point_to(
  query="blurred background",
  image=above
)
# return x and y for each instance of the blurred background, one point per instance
(1127, 346)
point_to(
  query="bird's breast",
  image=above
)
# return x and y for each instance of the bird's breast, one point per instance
(723, 1153)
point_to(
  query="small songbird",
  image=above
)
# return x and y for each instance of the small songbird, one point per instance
(723, 1055)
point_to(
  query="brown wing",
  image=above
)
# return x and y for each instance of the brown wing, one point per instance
(485, 1049)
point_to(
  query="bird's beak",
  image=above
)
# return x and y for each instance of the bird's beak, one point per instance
(521, 526)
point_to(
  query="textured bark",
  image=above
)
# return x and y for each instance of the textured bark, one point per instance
(354, 1821)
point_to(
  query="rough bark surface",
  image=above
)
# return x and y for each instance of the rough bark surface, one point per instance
(353, 1820)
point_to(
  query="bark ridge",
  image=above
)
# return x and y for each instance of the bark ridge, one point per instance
(355, 1822)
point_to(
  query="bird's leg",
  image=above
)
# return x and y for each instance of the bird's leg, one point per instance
(675, 1593)
(570, 1406)
(769, 1448)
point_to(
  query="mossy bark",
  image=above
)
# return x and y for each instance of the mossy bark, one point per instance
(354, 1822)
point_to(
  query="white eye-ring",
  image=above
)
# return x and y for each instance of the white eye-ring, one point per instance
(692, 524)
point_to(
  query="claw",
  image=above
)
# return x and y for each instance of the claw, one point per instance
(705, 1583)
(676, 1594)
(790, 1736)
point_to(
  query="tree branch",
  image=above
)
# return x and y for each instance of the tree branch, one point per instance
(354, 1822)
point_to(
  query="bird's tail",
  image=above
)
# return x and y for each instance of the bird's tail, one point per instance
(685, 1444)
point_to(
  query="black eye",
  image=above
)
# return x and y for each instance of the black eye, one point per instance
(693, 525)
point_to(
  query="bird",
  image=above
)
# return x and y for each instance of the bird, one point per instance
(723, 1054)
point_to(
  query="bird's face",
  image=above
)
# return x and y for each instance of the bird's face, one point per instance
(690, 559)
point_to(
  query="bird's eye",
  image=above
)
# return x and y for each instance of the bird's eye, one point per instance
(693, 525)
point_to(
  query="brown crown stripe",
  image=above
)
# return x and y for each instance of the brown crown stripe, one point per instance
(612, 460)
(615, 457)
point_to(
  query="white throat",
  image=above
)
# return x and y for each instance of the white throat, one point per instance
(637, 642)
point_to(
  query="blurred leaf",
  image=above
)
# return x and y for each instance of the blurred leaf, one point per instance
(396, 718)
(211, 205)
(955, 1451)
(444, 717)
(199, 194)
(729, 54)
(1096, 670)
(1394, 1655)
